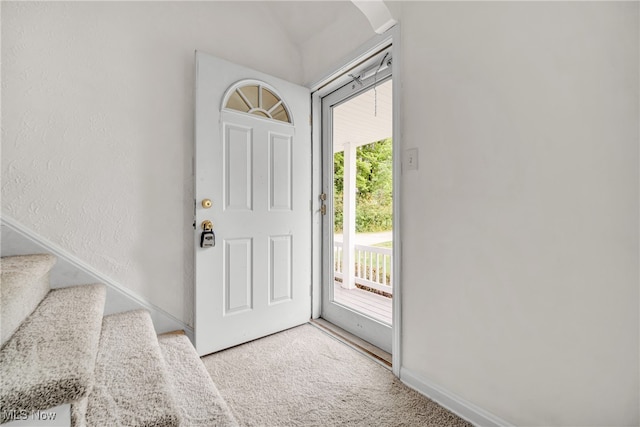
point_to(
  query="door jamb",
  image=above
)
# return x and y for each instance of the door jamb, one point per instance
(391, 36)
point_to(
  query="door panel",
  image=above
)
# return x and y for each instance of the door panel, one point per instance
(280, 264)
(237, 276)
(280, 172)
(238, 148)
(257, 171)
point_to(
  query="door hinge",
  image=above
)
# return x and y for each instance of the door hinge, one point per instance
(323, 208)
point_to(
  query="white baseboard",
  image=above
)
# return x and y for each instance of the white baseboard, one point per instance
(464, 409)
(69, 271)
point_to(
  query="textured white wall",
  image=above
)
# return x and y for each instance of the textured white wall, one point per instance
(520, 227)
(97, 127)
(520, 269)
(349, 30)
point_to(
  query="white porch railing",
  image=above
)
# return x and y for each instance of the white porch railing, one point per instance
(372, 266)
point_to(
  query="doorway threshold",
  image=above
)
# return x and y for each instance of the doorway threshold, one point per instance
(359, 344)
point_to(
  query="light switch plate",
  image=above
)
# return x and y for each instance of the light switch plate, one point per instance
(411, 159)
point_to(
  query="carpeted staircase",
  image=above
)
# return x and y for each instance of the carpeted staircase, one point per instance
(58, 349)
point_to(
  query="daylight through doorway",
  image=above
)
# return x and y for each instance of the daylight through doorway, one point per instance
(363, 203)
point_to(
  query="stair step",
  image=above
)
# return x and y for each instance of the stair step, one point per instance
(50, 359)
(197, 397)
(132, 386)
(23, 285)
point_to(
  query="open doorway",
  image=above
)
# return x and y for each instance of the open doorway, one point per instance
(363, 203)
(358, 175)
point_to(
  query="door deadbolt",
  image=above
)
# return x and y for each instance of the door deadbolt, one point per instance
(206, 203)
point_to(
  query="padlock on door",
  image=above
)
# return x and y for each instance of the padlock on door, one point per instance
(207, 238)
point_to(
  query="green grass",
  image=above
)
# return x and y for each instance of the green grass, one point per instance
(384, 245)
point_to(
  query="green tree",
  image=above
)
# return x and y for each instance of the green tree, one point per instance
(374, 200)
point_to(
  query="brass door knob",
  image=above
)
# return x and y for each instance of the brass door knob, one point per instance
(206, 203)
(207, 225)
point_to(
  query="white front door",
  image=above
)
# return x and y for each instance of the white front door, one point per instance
(253, 162)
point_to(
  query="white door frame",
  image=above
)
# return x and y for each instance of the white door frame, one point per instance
(341, 313)
(318, 90)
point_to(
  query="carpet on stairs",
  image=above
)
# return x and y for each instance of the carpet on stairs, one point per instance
(50, 359)
(24, 282)
(132, 385)
(197, 397)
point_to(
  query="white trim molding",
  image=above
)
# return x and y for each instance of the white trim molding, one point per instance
(69, 270)
(339, 72)
(377, 13)
(398, 144)
(459, 406)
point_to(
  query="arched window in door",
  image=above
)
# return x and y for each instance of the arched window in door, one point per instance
(257, 98)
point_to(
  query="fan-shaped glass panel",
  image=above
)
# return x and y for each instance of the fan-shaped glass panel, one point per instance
(280, 113)
(258, 100)
(268, 99)
(251, 93)
(236, 102)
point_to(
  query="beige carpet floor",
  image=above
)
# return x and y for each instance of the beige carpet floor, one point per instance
(304, 377)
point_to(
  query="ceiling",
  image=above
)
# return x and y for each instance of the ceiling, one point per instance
(360, 122)
(301, 20)
(356, 120)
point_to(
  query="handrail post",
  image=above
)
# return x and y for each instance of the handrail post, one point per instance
(349, 217)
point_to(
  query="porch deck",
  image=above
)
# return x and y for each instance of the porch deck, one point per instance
(368, 303)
